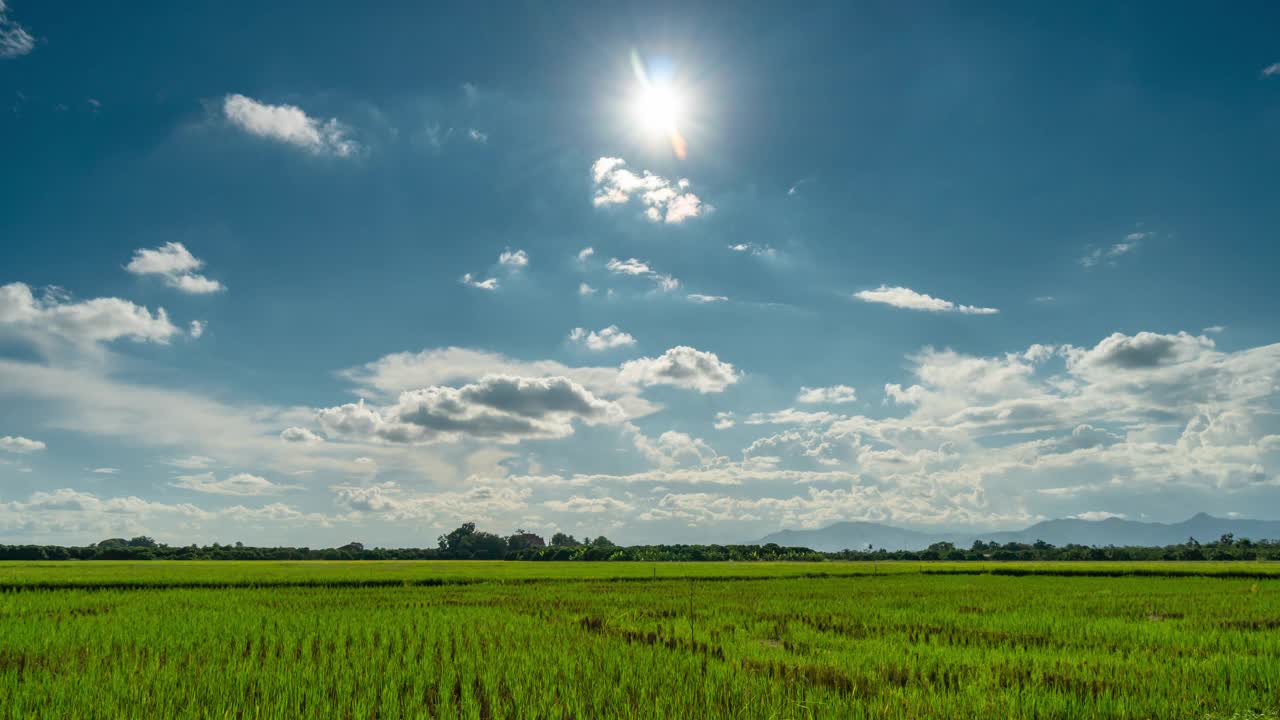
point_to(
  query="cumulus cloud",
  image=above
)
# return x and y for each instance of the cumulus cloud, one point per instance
(76, 516)
(240, 484)
(289, 124)
(833, 395)
(1005, 440)
(487, 284)
(20, 445)
(674, 449)
(55, 317)
(390, 501)
(585, 290)
(176, 265)
(908, 299)
(580, 504)
(639, 268)
(606, 339)
(763, 251)
(1145, 350)
(196, 329)
(665, 201)
(509, 260)
(724, 420)
(390, 375)
(15, 41)
(585, 254)
(630, 266)
(300, 435)
(501, 408)
(684, 367)
(513, 258)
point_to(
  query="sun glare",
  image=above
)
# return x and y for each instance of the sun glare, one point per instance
(658, 107)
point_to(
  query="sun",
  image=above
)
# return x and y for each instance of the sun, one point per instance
(657, 109)
(658, 106)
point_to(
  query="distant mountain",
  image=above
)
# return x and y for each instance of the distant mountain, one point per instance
(853, 536)
(1068, 531)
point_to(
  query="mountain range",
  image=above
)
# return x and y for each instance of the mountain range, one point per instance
(1066, 531)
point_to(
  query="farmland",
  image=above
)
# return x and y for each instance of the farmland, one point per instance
(591, 640)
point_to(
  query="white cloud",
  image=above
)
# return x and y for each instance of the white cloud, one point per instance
(579, 504)
(724, 421)
(703, 299)
(833, 395)
(585, 254)
(906, 298)
(585, 290)
(791, 416)
(477, 136)
(757, 250)
(639, 268)
(173, 262)
(1130, 243)
(288, 124)
(196, 329)
(105, 471)
(76, 517)
(170, 259)
(1139, 352)
(482, 504)
(899, 395)
(385, 378)
(666, 283)
(20, 445)
(15, 41)
(240, 484)
(487, 284)
(1214, 329)
(682, 366)
(191, 462)
(300, 435)
(1097, 515)
(606, 339)
(1272, 69)
(55, 317)
(673, 449)
(499, 408)
(664, 200)
(513, 259)
(630, 266)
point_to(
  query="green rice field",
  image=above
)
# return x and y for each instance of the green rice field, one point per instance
(631, 640)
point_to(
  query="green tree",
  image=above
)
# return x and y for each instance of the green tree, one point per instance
(562, 540)
(452, 542)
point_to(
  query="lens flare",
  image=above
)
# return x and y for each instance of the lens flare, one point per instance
(658, 106)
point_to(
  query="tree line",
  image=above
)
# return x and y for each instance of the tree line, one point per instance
(1226, 547)
(468, 543)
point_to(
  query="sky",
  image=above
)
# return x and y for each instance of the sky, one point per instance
(668, 272)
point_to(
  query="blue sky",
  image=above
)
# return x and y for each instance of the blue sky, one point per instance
(660, 271)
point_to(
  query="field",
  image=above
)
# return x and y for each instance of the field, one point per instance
(630, 640)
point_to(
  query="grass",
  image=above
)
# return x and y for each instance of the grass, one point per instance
(529, 640)
(221, 573)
